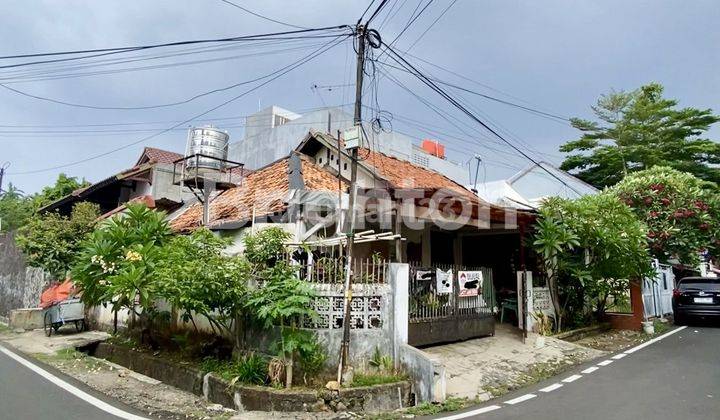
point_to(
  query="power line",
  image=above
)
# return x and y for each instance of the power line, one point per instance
(117, 50)
(299, 63)
(262, 16)
(116, 124)
(492, 98)
(433, 24)
(185, 101)
(61, 72)
(403, 62)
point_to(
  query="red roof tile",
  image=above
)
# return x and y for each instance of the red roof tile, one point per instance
(158, 156)
(266, 189)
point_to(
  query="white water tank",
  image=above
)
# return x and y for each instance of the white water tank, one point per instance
(208, 141)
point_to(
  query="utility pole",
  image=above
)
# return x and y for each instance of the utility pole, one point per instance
(350, 220)
(2, 174)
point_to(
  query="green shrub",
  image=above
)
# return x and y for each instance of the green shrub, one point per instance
(249, 369)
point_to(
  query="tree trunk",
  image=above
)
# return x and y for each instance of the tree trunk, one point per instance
(288, 371)
(552, 274)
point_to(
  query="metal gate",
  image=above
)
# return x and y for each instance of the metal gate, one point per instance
(439, 313)
(657, 291)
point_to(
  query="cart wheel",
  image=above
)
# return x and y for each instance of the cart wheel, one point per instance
(80, 325)
(47, 324)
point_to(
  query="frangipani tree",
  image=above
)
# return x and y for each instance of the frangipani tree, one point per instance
(591, 248)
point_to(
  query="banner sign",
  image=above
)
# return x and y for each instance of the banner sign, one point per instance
(444, 282)
(470, 282)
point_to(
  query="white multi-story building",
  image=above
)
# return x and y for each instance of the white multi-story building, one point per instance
(272, 133)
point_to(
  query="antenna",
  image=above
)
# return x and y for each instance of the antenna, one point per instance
(477, 169)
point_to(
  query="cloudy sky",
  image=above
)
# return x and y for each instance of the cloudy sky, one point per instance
(556, 56)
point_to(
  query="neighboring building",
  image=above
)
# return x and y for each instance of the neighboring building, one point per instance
(272, 133)
(150, 180)
(529, 187)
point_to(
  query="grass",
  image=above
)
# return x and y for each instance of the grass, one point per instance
(661, 327)
(370, 379)
(4, 328)
(64, 356)
(430, 409)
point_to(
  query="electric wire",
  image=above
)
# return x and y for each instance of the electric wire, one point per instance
(420, 76)
(118, 50)
(299, 63)
(125, 108)
(262, 16)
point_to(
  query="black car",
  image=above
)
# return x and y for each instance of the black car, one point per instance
(696, 296)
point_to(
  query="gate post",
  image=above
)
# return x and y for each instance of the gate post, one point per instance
(399, 274)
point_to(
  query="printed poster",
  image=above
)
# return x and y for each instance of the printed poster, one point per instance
(444, 282)
(423, 275)
(469, 282)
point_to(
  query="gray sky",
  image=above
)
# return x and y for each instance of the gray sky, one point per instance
(557, 56)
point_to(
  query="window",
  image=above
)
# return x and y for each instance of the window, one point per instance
(279, 120)
(345, 166)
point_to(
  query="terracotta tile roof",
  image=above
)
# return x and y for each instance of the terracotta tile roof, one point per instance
(403, 174)
(266, 188)
(158, 156)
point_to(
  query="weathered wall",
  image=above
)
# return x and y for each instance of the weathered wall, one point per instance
(20, 285)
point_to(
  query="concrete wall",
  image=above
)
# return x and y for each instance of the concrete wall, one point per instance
(263, 144)
(20, 285)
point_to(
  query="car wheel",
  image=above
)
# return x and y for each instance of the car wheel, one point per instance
(678, 319)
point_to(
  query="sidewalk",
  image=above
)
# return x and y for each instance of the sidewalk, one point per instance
(487, 367)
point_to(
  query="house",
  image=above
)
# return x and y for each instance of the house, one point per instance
(418, 215)
(272, 133)
(149, 180)
(530, 186)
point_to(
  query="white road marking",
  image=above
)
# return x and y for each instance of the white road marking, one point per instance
(551, 388)
(654, 340)
(572, 378)
(71, 388)
(472, 413)
(619, 356)
(520, 399)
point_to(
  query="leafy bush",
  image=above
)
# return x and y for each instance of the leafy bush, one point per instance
(196, 278)
(51, 241)
(116, 264)
(248, 369)
(591, 247)
(679, 210)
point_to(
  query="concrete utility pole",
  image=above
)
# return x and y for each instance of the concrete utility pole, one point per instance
(350, 220)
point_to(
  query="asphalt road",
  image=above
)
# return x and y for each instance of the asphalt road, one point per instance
(677, 377)
(28, 394)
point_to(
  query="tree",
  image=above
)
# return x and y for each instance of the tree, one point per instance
(63, 186)
(638, 130)
(116, 263)
(15, 209)
(591, 248)
(681, 215)
(196, 278)
(51, 241)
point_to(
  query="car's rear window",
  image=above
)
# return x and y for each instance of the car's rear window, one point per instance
(704, 284)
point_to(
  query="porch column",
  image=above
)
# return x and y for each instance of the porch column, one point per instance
(426, 247)
(458, 250)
